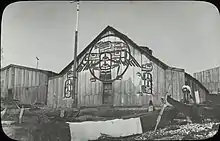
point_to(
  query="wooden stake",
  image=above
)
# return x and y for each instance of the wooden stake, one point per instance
(3, 112)
(159, 117)
(161, 112)
(21, 114)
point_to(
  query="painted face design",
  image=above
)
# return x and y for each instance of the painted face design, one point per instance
(113, 59)
(108, 59)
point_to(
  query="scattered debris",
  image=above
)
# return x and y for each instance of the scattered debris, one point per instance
(3, 122)
(188, 131)
(46, 124)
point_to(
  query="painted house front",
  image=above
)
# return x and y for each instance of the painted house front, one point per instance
(28, 85)
(113, 70)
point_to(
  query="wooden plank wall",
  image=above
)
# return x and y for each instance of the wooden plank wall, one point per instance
(125, 91)
(27, 85)
(4, 82)
(210, 79)
(56, 93)
(175, 79)
(89, 93)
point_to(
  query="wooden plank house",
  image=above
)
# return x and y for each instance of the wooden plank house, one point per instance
(210, 78)
(28, 85)
(196, 86)
(113, 70)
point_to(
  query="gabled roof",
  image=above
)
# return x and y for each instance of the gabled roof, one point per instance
(146, 51)
(50, 73)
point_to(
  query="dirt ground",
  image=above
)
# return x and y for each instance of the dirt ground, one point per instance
(183, 132)
(31, 130)
(174, 132)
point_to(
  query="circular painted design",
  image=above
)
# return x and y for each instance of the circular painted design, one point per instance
(109, 58)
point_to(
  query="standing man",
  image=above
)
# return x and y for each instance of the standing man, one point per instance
(187, 96)
(188, 99)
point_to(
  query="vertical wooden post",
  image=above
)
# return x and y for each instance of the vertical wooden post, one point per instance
(75, 58)
(162, 110)
(37, 62)
(21, 114)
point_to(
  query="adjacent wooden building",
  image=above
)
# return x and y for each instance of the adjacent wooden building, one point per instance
(113, 70)
(210, 78)
(28, 85)
(196, 86)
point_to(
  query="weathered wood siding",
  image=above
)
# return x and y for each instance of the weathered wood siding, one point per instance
(56, 93)
(4, 82)
(125, 91)
(195, 85)
(175, 79)
(210, 79)
(27, 85)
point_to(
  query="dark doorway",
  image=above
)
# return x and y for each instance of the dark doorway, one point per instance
(107, 94)
(107, 98)
(10, 94)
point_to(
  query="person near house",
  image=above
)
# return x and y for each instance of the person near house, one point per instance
(186, 93)
(188, 99)
(151, 106)
(187, 96)
(191, 101)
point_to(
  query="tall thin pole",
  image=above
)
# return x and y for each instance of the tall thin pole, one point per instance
(37, 61)
(75, 55)
(2, 57)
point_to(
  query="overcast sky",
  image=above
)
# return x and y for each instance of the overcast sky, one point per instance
(181, 34)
